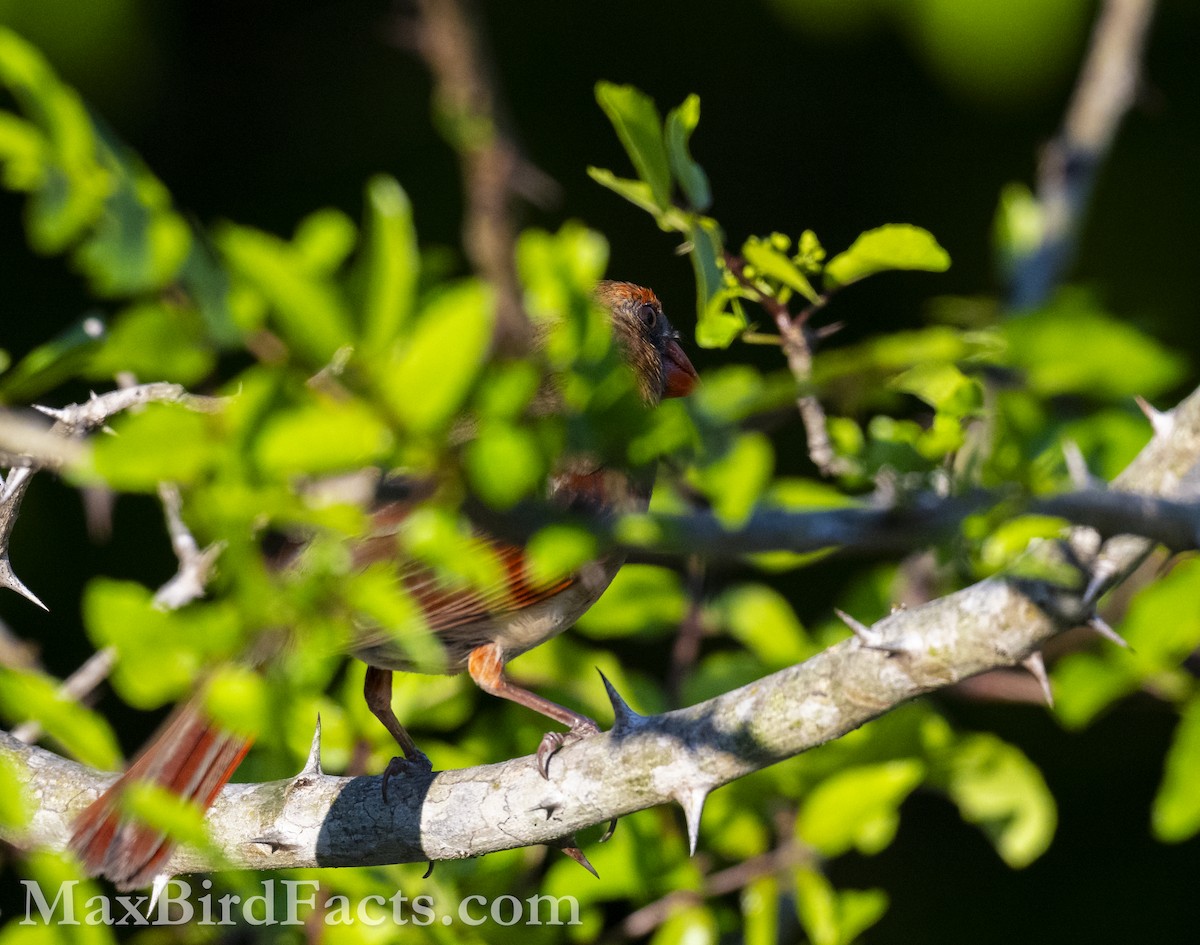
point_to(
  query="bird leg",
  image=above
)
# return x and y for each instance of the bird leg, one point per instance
(486, 667)
(377, 690)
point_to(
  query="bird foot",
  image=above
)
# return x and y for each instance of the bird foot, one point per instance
(553, 741)
(417, 765)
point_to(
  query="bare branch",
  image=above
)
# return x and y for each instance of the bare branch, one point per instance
(1070, 163)
(195, 566)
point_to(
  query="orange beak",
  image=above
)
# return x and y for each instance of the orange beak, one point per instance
(681, 377)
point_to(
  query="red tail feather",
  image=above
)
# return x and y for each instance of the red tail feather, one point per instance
(190, 757)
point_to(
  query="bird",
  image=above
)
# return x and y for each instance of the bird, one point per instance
(479, 629)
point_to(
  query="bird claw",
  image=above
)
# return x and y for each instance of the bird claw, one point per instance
(416, 766)
(552, 742)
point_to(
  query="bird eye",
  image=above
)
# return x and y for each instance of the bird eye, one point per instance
(649, 315)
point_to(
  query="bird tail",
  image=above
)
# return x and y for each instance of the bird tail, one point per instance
(190, 757)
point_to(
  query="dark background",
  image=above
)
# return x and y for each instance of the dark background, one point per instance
(812, 118)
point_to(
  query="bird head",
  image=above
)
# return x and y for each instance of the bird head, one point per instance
(648, 342)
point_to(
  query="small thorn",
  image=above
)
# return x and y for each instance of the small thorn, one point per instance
(1037, 668)
(609, 831)
(1162, 423)
(1100, 625)
(692, 801)
(867, 637)
(13, 583)
(570, 846)
(156, 890)
(428, 871)
(1077, 468)
(312, 764)
(624, 718)
(54, 412)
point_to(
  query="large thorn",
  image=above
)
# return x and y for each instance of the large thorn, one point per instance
(1037, 668)
(1100, 625)
(625, 719)
(868, 637)
(13, 583)
(156, 890)
(692, 801)
(1162, 423)
(1081, 477)
(570, 846)
(312, 764)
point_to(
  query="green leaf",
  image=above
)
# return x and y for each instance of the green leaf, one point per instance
(996, 787)
(1176, 811)
(762, 620)
(72, 186)
(772, 263)
(328, 437)
(159, 653)
(135, 459)
(858, 808)
(693, 925)
(894, 246)
(155, 340)
(49, 364)
(84, 734)
(681, 122)
(139, 243)
(505, 464)
(237, 698)
(637, 192)
(1073, 347)
(392, 263)
(734, 481)
(719, 318)
(16, 805)
(557, 551)
(1086, 684)
(944, 387)
(309, 312)
(323, 240)
(22, 153)
(636, 121)
(642, 599)
(168, 812)
(432, 375)
(831, 917)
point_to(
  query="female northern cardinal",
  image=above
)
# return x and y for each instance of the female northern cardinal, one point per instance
(480, 630)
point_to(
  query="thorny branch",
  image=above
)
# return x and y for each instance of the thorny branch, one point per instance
(316, 819)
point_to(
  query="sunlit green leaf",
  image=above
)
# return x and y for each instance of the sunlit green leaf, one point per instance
(236, 697)
(762, 620)
(331, 436)
(736, 479)
(556, 551)
(694, 925)
(505, 464)
(642, 599)
(681, 122)
(770, 262)
(858, 808)
(1176, 811)
(1085, 684)
(894, 246)
(136, 460)
(433, 374)
(637, 123)
(85, 735)
(833, 917)
(155, 340)
(1073, 347)
(308, 311)
(391, 261)
(944, 387)
(159, 653)
(996, 787)
(637, 192)
(323, 240)
(15, 803)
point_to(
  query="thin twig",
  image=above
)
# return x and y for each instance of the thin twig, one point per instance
(1070, 163)
(76, 687)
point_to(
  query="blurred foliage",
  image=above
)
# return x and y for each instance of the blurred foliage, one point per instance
(347, 346)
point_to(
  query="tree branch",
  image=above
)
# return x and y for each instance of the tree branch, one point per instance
(316, 819)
